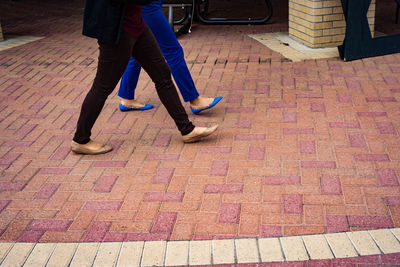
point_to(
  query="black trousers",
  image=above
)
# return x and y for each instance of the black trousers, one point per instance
(113, 59)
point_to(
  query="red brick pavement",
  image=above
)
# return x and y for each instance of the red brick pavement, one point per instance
(305, 147)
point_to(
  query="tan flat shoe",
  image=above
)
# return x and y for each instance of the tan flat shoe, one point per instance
(90, 148)
(198, 133)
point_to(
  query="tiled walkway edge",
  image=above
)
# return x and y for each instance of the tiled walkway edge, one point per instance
(370, 247)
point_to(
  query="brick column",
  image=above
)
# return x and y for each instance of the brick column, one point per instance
(320, 23)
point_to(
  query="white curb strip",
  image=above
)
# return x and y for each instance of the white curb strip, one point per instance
(204, 252)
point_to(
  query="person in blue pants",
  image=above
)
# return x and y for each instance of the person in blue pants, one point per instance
(173, 54)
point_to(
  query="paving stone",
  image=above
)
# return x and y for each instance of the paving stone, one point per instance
(292, 204)
(396, 232)
(51, 225)
(177, 253)
(106, 205)
(246, 250)
(163, 175)
(386, 241)
(340, 245)
(164, 222)
(277, 180)
(318, 164)
(270, 250)
(153, 253)
(130, 254)
(18, 254)
(229, 213)
(385, 128)
(47, 191)
(10, 186)
(331, 186)
(107, 254)
(371, 157)
(317, 247)
(363, 243)
(105, 184)
(293, 248)
(4, 249)
(219, 168)
(200, 252)
(97, 231)
(84, 254)
(62, 255)
(163, 196)
(31, 236)
(387, 177)
(256, 153)
(223, 251)
(307, 147)
(270, 231)
(357, 140)
(40, 254)
(225, 188)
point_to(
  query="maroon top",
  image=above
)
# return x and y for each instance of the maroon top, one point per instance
(133, 23)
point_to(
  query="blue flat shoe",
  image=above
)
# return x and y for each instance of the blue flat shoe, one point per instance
(215, 101)
(124, 108)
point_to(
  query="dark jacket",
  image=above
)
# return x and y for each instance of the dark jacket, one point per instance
(103, 18)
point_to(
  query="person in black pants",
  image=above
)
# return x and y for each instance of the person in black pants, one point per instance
(121, 33)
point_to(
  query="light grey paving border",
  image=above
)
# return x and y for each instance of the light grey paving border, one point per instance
(11, 41)
(281, 43)
(183, 253)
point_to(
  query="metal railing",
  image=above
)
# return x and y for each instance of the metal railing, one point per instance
(201, 15)
(199, 9)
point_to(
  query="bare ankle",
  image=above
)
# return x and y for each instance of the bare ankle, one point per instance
(130, 102)
(201, 101)
(195, 101)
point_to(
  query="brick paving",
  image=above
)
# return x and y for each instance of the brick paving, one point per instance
(306, 147)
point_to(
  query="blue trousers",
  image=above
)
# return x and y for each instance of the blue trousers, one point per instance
(170, 48)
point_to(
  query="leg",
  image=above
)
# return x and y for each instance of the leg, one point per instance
(112, 62)
(173, 53)
(147, 53)
(167, 40)
(129, 80)
(171, 49)
(128, 86)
